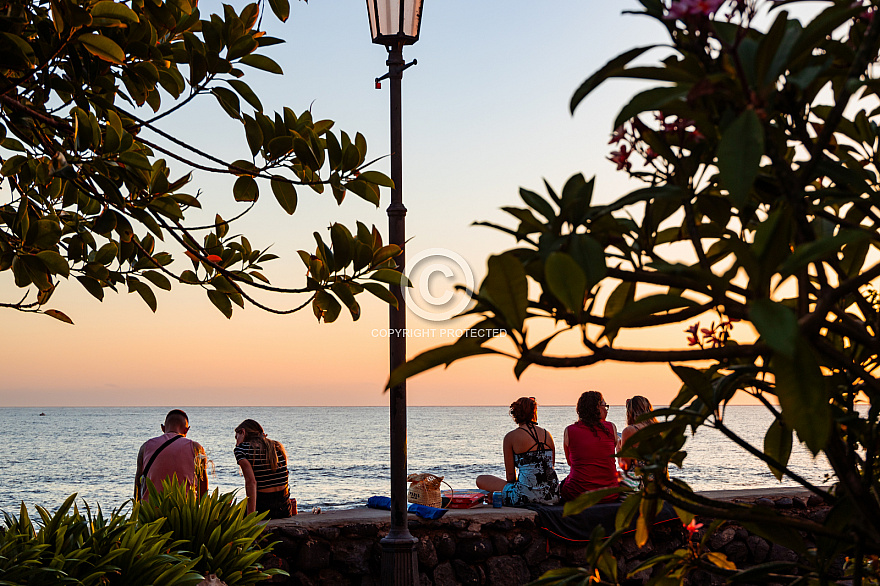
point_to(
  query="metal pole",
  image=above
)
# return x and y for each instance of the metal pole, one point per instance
(399, 561)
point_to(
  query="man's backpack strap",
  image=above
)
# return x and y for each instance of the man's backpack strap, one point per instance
(141, 486)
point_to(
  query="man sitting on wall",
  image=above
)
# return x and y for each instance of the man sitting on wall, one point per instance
(171, 454)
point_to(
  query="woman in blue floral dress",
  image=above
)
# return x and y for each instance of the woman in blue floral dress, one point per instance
(529, 458)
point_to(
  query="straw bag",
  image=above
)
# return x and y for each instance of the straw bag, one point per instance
(424, 489)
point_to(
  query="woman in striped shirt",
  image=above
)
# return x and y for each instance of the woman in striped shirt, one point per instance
(264, 466)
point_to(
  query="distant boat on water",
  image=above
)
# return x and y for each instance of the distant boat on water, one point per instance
(42, 414)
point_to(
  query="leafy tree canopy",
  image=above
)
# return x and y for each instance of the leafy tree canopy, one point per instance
(758, 156)
(85, 162)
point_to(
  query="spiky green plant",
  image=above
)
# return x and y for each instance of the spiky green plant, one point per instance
(214, 527)
(67, 547)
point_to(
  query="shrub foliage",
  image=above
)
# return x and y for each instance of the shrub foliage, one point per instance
(86, 151)
(757, 153)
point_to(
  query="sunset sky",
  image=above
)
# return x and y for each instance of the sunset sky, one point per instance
(485, 112)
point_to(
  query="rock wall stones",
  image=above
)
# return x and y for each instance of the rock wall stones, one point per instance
(505, 551)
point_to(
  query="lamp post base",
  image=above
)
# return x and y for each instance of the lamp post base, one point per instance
(400, 564)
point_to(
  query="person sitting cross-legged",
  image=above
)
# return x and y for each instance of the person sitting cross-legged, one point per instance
(529, 458)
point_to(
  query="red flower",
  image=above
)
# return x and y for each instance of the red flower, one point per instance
(693, 526)
(683, 8)
(693, 338)
(213, 258)
(620, 158)
(618, 135)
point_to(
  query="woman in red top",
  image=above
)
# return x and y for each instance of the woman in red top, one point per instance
(590, 445)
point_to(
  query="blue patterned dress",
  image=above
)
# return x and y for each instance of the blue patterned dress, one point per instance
(536, 481)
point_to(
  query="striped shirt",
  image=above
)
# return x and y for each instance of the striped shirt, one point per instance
(264, 475)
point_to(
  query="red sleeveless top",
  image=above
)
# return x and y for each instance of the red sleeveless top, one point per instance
(590, 454)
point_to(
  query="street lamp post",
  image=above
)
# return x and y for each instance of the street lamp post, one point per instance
(395, 23)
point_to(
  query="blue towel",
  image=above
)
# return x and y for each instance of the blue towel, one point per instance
(425, 512)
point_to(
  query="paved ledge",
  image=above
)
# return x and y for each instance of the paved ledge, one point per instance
(483, 514)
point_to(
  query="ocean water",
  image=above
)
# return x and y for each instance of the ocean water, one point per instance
(338, 456)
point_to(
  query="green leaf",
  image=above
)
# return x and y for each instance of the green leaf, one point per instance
(253, 133)
(627, 512)
(58, 315)
(222, 284)
(697, 381)
(390, 276)
(382, 293)
(635, 311)
(106, 254)
(281, 8)
(304, 154)
(26, 52)
(577, 193)
(44, 234)
(228, 100)
(221, 302)
(384, 253)
(800, 388)
(777, 325)
(820, 249)
(261, 62)
(285, 193)
(604, 73)
(739, 156)
(158, 279)
(115, 11)
(326, 307)
(377, 178)
(657, 98)
(364, 190)
(343, 291)
(588, 253)
(777, 445)
(506, 287)
(103, 48)
(566, 280)
(719, 559)
(245, 189)
(433, 358)
(93, 286)
(56, 263)
(143, 290)
(278, 147)
(622, 295)
(537, 203)
(245, 91)
(343, 245)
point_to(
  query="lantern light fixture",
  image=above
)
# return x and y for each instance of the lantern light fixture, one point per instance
(395, 22)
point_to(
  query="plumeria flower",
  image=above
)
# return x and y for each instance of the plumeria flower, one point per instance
(620, 158)
(681, 8)
(693, 526)
(618, 135)
(693, 339)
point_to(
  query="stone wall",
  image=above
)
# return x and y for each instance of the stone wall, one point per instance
(487, 546)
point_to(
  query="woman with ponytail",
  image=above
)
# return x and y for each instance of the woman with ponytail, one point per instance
(264, 466)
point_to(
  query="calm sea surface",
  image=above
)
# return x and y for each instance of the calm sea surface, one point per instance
(338, 456)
